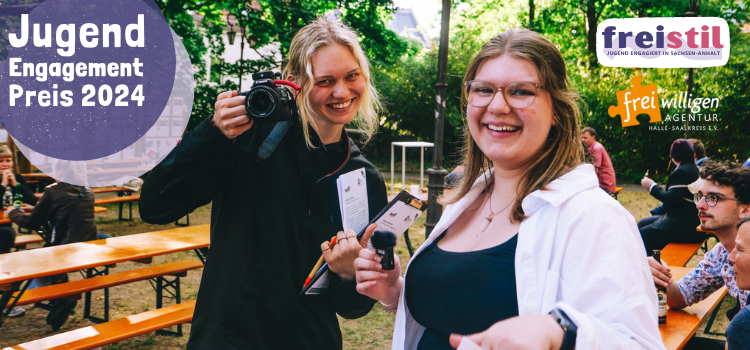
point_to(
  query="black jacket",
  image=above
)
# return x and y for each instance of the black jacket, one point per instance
(681, 213)
(268, 220)
(58, 199)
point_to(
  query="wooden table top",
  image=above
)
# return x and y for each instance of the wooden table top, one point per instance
(682, 324)
(110, 189)
(4, 218)
(36, 176)
(28, 264)
(98, 190)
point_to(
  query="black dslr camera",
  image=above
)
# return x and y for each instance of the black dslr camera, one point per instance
(266, 102)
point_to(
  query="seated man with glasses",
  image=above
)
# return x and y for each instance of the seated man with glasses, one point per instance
(722, 201)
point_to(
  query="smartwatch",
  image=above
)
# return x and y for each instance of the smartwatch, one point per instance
(569, 329)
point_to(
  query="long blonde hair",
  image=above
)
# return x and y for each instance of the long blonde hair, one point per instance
(311, 38)
(562, 151)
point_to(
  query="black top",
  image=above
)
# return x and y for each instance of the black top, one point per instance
(26, 192)
(463, 293)
(268, 219)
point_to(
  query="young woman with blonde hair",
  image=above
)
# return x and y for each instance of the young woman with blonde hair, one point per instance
(274, 202)
(529, 253)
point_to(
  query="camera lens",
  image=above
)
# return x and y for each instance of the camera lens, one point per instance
(260, 102)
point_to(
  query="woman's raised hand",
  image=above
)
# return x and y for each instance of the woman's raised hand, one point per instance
(230, 115)
(376, 283)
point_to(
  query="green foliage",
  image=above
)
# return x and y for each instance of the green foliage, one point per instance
(268, 22)
(408, 87)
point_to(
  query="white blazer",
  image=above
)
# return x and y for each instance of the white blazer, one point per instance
(580, 250)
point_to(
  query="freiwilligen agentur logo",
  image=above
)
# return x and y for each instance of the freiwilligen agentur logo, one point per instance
(682, 107)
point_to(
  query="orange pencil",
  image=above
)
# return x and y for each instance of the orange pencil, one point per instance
(319, 263)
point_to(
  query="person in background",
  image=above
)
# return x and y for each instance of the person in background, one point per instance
(7, 233)
(681, 217)
(71, 220)
(738, 332)
(723, 199)
(700, 157)
(700, 161)
(605, 171)
(529, 242)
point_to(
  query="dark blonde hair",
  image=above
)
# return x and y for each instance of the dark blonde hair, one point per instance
(562, 151)
(313, 37)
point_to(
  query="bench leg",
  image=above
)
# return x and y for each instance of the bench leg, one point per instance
(711, 320)
(202, 253)
(130, 208)
(187, 221)
(173, 289)
(93, 272)
(8, 296)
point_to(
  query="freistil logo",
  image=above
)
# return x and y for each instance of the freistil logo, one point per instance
(680, 42)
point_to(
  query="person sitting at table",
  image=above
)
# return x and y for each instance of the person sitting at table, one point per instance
(723, 199)
(701, 160)
(529, 242)
(69, 210)
(7, 233)
(738, 332)
(681, 217)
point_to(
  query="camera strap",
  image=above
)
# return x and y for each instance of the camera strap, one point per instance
(272, 141)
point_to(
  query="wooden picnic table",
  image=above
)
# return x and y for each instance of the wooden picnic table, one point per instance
(28, 264)
(36, 176)
(682, 324)
(5, 220)
(99, 190)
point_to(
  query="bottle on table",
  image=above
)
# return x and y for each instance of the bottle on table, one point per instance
(661, 292)
(7, 197)
(18, 197)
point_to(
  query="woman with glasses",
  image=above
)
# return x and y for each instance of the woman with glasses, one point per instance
(529, 253)
(678, 223)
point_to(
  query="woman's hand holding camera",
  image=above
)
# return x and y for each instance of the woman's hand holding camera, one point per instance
(376, 283)
(230, 115)
(340, 257)
(8, 178)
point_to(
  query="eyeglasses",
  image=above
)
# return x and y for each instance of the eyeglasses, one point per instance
(711, 199)
(519, 95)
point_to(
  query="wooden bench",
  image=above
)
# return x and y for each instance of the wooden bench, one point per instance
(114, 331)
(119, 190)
(120, 200)
(74, 289)
(23, 240)
(130, 199)
(678, 254)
